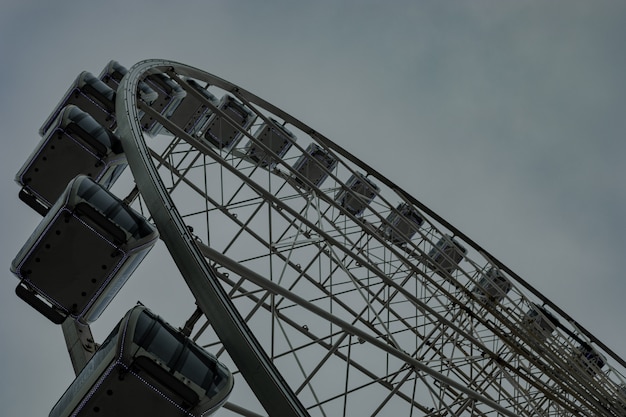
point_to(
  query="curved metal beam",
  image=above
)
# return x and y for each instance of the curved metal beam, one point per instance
(271, 389)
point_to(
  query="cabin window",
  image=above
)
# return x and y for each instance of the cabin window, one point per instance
(195, 369)
(164, 345)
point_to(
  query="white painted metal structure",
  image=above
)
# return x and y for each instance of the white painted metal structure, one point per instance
(373, 307)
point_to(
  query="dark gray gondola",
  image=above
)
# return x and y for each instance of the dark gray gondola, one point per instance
(81, 253)
(92, 96)
(147, 368)
(445, 256)
(192, 114)
(170, 97)
(273, 136)
(225, 133)
(75, 144)
(113, 73)
(492, 287)
(157, 89)
(314, 165)
(360, 193)
(589, 359)
(401, 224)
(539, 323)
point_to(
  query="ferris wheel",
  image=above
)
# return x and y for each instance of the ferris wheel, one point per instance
(324, 287)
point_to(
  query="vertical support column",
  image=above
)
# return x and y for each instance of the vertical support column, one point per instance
(79, 341)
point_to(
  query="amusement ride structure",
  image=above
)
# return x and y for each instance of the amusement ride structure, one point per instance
(315, 282)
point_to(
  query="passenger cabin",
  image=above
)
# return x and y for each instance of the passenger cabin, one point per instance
(402, 223)
(113, 73)
(146, 367)
(75, 144)
(314, 165)
(170, 95)
(192, 114)
(445, 256)
(225, 132)
(359, 194)
(82, 253)
(92, 96)
(273, 141)
(539, 322)
(492, 287)
(588, 359)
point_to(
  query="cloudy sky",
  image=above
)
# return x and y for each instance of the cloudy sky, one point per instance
(506, 117)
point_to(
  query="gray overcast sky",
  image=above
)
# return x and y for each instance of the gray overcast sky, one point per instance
(506, 117)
